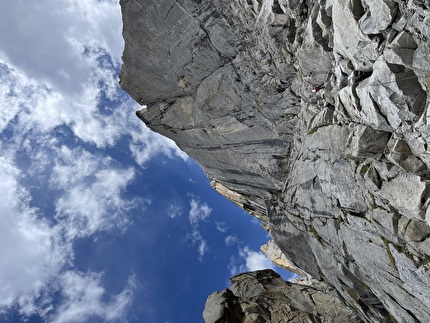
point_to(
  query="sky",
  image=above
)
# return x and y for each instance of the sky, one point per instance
(101, 220)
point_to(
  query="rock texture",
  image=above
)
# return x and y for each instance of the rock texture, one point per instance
(272, 251)
(340, 176)
(262, 296)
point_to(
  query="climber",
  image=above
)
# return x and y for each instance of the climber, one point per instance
(316, 88)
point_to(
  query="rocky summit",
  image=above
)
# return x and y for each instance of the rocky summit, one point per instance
(262, 296)
(313, 116)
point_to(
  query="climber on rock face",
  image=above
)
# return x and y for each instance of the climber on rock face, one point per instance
(316, 88)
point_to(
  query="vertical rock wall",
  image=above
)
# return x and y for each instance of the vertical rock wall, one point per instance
(341, 176)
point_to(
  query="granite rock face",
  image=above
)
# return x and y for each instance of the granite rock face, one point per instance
(262, 296)
(339, 176)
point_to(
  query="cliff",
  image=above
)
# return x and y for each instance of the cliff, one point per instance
(340, 176)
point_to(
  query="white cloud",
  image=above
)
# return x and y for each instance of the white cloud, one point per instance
(37, 106)
(146, 145)
(20, 95)
(196, 237)
(249, 260)
(198, 212)
(55, 68)
(84, 297)
(30, 252)
(221, 227)
(9, 99)
(33, 252)
(55, 39)
(174, 210)
(255, 260)
(230, 240)
(202, 248)
(58, 68)
(40, 106)
(92, 188)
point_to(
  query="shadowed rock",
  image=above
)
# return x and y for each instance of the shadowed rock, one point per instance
(263, 297)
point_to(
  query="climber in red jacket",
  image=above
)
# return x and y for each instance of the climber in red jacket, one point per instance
(316, 88)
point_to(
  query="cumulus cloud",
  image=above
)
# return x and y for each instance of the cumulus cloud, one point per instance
(34, 252)
(58, 63)
(85, 188)
(84, 297)
(21, 96)
(255, 260)
(59, 67)
(249, 260)
(38, 107)
(91, 198)
(55, 39)
(26, 242)
(58, 90)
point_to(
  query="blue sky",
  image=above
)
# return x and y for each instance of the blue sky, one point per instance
(100, 219)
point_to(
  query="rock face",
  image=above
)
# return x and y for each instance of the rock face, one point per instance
(262, 296)
(272, 251)
(340, 176)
